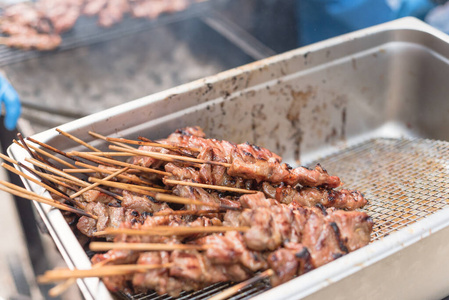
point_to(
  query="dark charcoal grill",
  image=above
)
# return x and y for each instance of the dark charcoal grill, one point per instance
(404, 181)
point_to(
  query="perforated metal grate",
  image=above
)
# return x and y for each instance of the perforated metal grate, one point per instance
(404, 181)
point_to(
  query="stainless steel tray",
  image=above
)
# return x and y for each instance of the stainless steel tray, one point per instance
(387, 81)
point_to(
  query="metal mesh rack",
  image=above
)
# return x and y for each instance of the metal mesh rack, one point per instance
(404, 180)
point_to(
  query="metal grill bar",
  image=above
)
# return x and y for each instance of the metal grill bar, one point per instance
(404, 180)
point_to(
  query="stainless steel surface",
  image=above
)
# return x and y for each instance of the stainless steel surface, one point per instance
(388, 81)
(237, 36)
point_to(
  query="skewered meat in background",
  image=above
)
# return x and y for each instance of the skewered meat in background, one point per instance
(40, 25)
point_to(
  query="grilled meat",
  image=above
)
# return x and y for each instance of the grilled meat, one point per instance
(344, 199)
(28, 24)
(44, 42)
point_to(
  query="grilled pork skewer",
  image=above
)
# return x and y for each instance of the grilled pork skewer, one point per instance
(344, 199)
(287, 239)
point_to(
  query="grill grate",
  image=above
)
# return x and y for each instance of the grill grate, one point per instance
(404, 180)
(86, 32)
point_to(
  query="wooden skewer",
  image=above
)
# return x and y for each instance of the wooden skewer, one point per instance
(33, 154)
(61, 288)
(157, 196)
(45, 186)
(63, 274)
(117, 162)
(59, 180)
(153, 144)
(236, 288)
(182, 200)
(8, 159)
(128, 187)
(132, 178)
(169, 157)
(186, 212)
(88, 188)
(56, 171)
(72, 178)
(168, 230)
(74, 171)
(44, 181)
(51, 148)
(55, 158)
(74, 138)
(20, 192)
(210, 186)
(105, 246)
(102, 137)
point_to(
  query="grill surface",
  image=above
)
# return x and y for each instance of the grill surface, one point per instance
(87, 32)
(404, 180)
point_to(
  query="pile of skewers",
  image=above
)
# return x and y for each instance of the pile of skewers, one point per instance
(187, 211)
(39, 25)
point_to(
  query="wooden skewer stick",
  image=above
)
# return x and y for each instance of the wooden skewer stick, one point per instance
(72, 178)
(105, 246)
(236, 288)
(8, 159)
(118, 163)
(168, 230)
(186, 212)
(51, 148)
(74, 171)
(45, 186)
(132, 178)
(63, 274)
(20, 192)
(61, 288)
(169, 157)
(153, 144)
(70, 184)
(14, 162)
(88, 188)
(102, 137)
(55, 158)
(210, 186)
(181, 200)
(128, 187)
(74, 138)
(157, 196)
(33, 154)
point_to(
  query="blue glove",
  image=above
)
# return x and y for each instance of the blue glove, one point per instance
(322, 19)
(10, 100)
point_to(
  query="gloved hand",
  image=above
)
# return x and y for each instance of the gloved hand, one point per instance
(9, 99)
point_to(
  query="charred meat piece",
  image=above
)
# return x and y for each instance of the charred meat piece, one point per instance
(113, 12)
(43, 42)
(273, 171)
(93, 7)
(344, 199)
